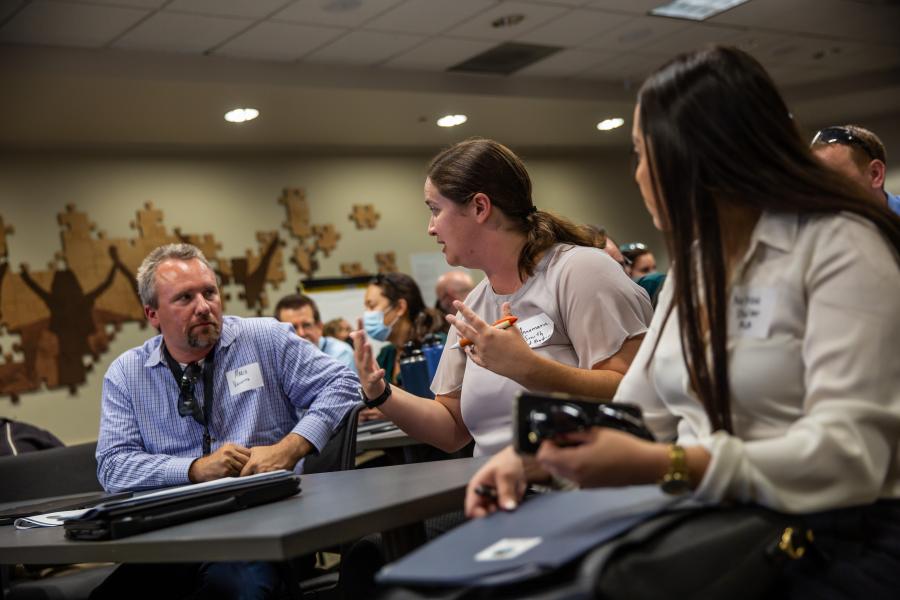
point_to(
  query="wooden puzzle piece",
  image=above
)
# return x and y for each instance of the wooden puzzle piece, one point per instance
(254, 271)
(326, 238)
(5, 230)
(149, 225)
(294, 199)
(353, 269)
(365, 216)
(386, 261)
(305, 260)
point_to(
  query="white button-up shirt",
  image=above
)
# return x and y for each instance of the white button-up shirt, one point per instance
(814, 367)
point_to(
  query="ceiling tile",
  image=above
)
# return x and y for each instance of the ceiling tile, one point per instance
(279, 41)
(176, 32)
(635, 7)
(337, 13)
(428, 16)
(563, 64)
(574, 28)
(130, 3)
(480, 27)
(227, 8)
(862, 21)
(632, 66)
(636, 34)
(439, 54)
(365, 48)
(51, 23)
(776, 50)
(569, 3)
(859, 57)
(692, 38)
(787, 76)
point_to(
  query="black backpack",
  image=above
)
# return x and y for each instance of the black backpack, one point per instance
(17, 437)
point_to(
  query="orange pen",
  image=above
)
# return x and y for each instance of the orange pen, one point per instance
(504, 323)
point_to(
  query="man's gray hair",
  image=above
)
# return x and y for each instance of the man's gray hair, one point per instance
(146, 273)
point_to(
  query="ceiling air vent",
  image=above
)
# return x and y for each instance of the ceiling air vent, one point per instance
(505, 59)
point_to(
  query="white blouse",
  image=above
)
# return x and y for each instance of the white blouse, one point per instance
(814, 365)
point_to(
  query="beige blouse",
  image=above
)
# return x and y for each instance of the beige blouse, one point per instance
(578, 309)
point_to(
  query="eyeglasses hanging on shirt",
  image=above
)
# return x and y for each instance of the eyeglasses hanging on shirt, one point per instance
(187, 402)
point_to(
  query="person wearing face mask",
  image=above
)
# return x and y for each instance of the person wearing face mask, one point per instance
(395, 313)
(640, 260)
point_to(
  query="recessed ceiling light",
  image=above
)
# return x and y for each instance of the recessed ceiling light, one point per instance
(452, 120)
(608, 124)
(695, 10)
(240, 115)
(507, 21)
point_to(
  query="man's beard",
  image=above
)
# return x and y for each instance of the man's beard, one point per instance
(206, 339)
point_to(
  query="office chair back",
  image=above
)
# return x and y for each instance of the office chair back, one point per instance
(339, 454)
(53, 472)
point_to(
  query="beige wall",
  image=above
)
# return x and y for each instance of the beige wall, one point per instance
(234, 197)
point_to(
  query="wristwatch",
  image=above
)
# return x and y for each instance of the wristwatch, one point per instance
(677, 480)
(376, 402)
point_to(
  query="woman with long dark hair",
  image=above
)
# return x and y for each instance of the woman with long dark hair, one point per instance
(771, 363)
(581, 317)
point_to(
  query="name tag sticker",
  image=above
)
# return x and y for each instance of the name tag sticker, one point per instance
(244, 379)
(536, 330)
(751, 311)
(507, 548)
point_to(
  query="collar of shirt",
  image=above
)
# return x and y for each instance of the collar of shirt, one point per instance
(776, 230)
(322, 341)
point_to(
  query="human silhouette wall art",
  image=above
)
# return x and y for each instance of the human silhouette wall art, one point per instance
(65, 315)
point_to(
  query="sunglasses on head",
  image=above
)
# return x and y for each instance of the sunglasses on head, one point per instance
(840, 135)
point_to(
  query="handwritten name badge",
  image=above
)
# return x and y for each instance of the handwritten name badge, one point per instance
(244, 379)
(536, 330)
(751, 311)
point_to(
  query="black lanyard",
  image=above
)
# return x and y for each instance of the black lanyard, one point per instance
(187, 402)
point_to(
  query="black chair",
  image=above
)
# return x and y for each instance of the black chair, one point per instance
(41, 474)
(54, 472)
(339, 454)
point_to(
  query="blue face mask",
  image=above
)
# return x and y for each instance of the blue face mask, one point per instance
(373, 324)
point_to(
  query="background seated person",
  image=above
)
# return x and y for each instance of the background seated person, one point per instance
(860, 155)
(395, 313)
(302, 313)
(339, 329)
(640, 261)
(450, 287)
(587, 316)
(794, 406)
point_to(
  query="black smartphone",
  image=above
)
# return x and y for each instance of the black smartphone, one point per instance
(538, 417)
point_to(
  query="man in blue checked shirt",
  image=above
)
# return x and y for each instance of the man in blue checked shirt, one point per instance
(210, 397)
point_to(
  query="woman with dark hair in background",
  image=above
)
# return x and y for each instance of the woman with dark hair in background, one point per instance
(772, 359)
(396, 313)
(640, 260)
(582, 317)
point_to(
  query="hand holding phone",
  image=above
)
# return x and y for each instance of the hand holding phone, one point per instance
(539, 417)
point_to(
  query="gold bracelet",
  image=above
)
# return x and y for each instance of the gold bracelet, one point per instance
(677, 479)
